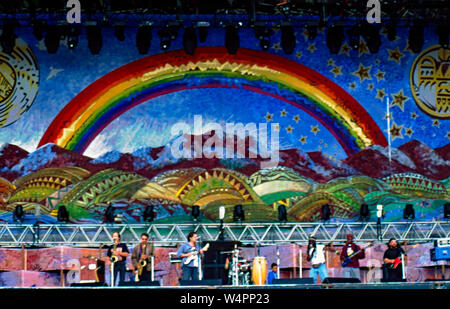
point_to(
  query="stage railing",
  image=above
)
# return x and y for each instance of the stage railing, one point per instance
(92, 235)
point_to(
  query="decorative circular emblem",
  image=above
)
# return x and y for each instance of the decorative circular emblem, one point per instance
(19, 82)
(430, 81)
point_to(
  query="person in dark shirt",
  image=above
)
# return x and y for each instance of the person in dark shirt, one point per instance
(392, 259)
(119, 250)
(351, 268)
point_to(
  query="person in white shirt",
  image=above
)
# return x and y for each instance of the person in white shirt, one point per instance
(316, 255)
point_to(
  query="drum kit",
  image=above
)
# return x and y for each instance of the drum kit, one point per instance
(242, 271)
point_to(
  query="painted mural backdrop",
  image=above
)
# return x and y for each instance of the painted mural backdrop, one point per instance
(87, 131)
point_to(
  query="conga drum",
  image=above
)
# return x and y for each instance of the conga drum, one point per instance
(259, 270)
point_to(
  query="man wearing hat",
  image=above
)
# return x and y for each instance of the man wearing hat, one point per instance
(316, 255)
(350, 256)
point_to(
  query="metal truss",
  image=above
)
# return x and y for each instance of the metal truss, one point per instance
(94, 235)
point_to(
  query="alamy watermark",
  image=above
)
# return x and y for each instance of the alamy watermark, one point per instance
(255, 136)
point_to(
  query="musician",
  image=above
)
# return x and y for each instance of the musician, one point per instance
(142, 252)
(190, 249)
(316, 255)
(391, 256)
(121, 251)
(272, 274)
(351, 269)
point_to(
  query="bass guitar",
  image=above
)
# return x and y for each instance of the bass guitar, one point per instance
(349, 258)
(398, 260)
(194, 254)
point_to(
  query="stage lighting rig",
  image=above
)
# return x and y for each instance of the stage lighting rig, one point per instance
(415, 40)
(202, 27)
(335, 37)
(288, 40)
(95, 38)
(189, 40)
(238, 214)
(143, 39)
(119, 32)
(73, 34)
(232, 41)
(8, 37)
(442, 32)
(263, 34)
(52, 39)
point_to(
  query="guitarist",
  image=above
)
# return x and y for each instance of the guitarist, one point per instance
(392, 261)
(190, 250)
(350, 255)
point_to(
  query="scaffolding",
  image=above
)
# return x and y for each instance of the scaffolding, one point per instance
(94, 235)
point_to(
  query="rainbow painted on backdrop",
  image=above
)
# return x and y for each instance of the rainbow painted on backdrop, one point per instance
(86, 115)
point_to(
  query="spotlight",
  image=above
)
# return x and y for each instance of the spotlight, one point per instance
(371, 34)
(416, 38)
(442, 32)
(18, 215)
(447, 210)
(380, 212)
(238, 214)
(52, 38)
(149, 213)
(282, 214)
(364, 213)
(391, 28)
(165, 38)
(288, 39)
(202, 27)
(263, 34)
(326, 212)
(8, 38)
(143, 39)
(221, 212)
(95, 39)
(109, 214)
(38, 30)
(353, 37)
(408, 212)
(119, 32)
(72, 37)
(190, 40)
(335, 36)
(195, 212)
(63, 214)
(312, 32)
(232, 40)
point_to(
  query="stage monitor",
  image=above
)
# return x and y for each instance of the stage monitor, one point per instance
(293, 281)
(209, 282)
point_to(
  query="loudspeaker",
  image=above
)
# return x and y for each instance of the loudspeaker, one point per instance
(214, 260)
(201, 282)
(139, 283)
(341, 280)
(89, 284)
(293, 281)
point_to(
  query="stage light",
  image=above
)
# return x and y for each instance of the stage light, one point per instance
(312, 32)
(391, 28)
(95, 39)
(38, 30)
(189, 40)
(109, 214)
(52, 38)
(408, 212)
(447, 210)
(326, 212)
(221, 217)
(416, 38)
(353, 37)
(8, 38)
(143, 39)
(282, 214)
(195, 213)
(119, 32)
(442, 32)
(335, 36)
(238, 214)
(18, 215)
(63, 214)
(232, 40)
(263, 34)
(371, 34)
(149, 213)
(165, 38)
(380, 212)
(288, 40)
(202, 27)
(221, 212)
(72, 37)
(364, 213)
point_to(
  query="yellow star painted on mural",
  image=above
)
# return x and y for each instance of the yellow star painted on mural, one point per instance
(386, 116)
(352, 85)
(396, 131)
(408, 48)
(276, 46)
(363, 73)
(399, 99)
(448, 135)
(436, 123)
(298, 55)
(269, 117)
(423, 128)
(283, 113)
(370, 87)
(409, 131)
(362, 48)
(345, 49)
(395, 55)
(414, 115)
(330, 62)
(336, 70)
(380, 75)
(315, 129)
(319, 147)
(289, 129)
(312, 47)
(303, 140)
(380, 94)
(296, 118)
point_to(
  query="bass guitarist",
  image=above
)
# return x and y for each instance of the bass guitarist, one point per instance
(191, 254)
(351, 253)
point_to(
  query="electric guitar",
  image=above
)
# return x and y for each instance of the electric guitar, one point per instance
(194, 254)
(398, 260)
(349, 258)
